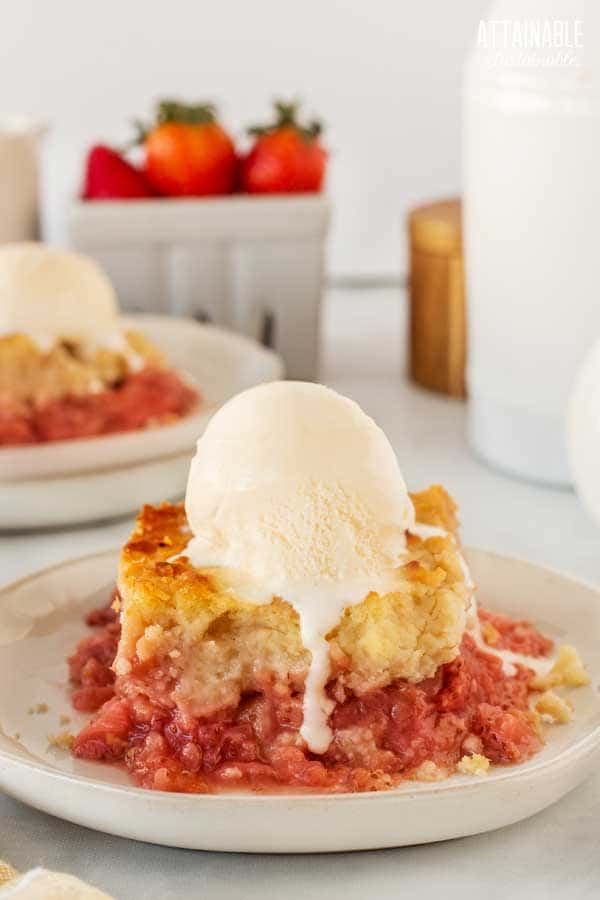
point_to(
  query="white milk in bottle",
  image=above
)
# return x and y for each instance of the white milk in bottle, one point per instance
(531, 156)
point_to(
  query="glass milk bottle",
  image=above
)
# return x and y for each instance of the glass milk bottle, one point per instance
(531, 180)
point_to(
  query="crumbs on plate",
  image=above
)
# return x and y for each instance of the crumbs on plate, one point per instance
(567, 671)
(61, 741)
(553, 709)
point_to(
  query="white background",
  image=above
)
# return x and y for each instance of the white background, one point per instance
(383, 74)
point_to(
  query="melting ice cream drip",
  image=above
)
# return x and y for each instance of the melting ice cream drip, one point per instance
(509, 658)
(316, 705)
(320, 608)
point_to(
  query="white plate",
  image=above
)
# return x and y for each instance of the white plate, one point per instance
(65, 482)
(41, 620)
(94, 496)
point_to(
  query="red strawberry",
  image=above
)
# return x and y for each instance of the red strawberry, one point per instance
(110, 177)
(188, 153)
(286, 157)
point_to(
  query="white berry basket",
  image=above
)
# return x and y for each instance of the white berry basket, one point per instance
(252, 264)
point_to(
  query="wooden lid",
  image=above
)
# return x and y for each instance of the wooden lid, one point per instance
(437, 227)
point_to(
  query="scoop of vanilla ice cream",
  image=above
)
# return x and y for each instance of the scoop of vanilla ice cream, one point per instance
(48, 293)
(293, 482)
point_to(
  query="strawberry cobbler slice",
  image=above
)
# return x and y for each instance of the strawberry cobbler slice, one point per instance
(196, 690)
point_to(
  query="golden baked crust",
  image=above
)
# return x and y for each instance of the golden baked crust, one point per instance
(192, 623)
(435, 506)
(28, 375)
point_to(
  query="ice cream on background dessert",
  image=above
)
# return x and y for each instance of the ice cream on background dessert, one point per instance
(60, 325)
(68, 366)
(51, 294)
(298, 491)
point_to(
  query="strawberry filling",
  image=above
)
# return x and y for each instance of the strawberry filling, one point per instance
(379, 739)
(151, 396)
(516, 635)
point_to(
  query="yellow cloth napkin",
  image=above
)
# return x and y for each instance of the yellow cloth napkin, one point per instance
(41, 884)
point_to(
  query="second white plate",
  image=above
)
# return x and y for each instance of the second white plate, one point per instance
(41, 620)
(68, 482)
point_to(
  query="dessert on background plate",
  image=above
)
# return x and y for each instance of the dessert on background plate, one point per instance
(68, 368)
(304, 624)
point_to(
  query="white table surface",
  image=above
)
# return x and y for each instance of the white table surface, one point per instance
(556, 853)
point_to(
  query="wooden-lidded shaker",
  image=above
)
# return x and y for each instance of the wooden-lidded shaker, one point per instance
(437, 298)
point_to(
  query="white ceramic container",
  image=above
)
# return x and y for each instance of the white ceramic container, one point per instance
(531, 205)
(252, 264)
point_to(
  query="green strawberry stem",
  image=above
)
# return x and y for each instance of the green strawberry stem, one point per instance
(187, 114)
(286, 116)
(140, 132)
(172, 111)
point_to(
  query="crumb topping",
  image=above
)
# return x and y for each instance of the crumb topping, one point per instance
(490, 633)
(476, 764)
(553, 709)
(567, 671)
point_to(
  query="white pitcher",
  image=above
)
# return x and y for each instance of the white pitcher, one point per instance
(19, 182)
(531, 143)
